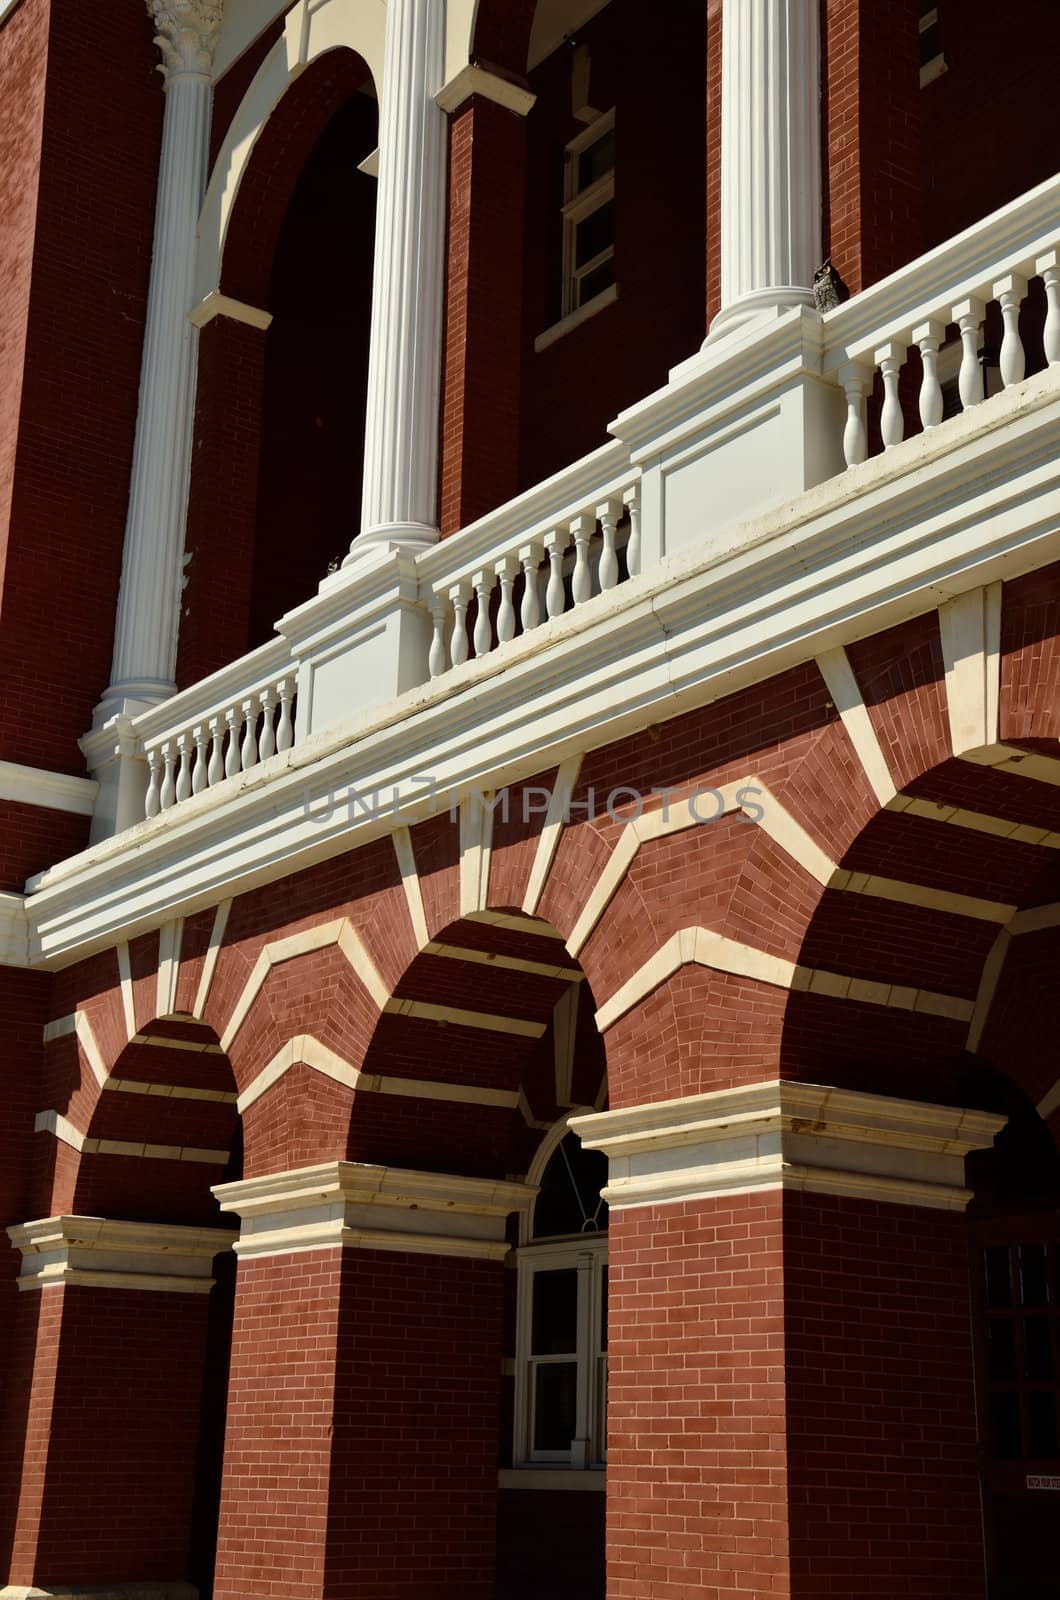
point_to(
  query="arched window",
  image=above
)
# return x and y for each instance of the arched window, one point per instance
(561, 1338)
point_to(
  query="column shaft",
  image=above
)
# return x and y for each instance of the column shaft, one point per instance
(401, 433)
(770, 158)
(145, 636)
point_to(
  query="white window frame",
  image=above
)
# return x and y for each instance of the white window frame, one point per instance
(578, 205)
(587, 1254)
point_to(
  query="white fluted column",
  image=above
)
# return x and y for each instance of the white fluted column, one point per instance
(145, 636)
(399, 500)
(770, 158)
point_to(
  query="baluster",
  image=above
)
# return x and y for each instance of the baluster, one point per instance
(248, 750)
(1048, 269)
(169, 788)
(889, 358)
(199, 779)
(607, 515)
(185, 747)
(267, 742)
(460, 596)
(483, 634)
(507, 568)
(968, 316)
(215, 771)
(631, 501)
(285, 727)
(1009, 292)
(153, 801)
(438, 656)
(530, 610)
(555, 594)
(581, 530)
(856, 379)
(927, 337)
(234, 719)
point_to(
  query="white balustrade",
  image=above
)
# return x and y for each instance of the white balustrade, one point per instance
(939, 304)
(196, 740)
(501, 588)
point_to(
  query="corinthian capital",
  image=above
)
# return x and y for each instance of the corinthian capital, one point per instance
(187, 33)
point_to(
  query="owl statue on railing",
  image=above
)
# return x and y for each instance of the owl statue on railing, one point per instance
(829, 290)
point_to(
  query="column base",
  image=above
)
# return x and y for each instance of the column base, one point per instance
(759, 305)
(114, 759)
(147, 1590)
(411, 538)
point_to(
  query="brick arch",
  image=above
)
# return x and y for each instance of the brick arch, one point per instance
(500, 34)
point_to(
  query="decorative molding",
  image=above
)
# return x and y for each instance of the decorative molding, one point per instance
(704, 948)
(491, 958)
(213, 950)
(54, 791)
(976, 821)
(170, 937)
(551, 830)
(187, 35)
(1017, 763)
(55, 1123)
(410, 882)
(427, 1011)
(125, 985)
(216, 304)
(353, 1205)
(970, 630)
(845, 691)
(475, 80)
(96, 1253)
(476, 850)
(779, 1135)
(921, 895)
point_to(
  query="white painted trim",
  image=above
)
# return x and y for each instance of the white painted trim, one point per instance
(1017, 763)
(213, 950)
(54, 791)
(564, 1043)
(574, 319)
(518, 924)
(988, 982)
(170, 1091)
(558, 1480)
(970, 631)
(14, 931)
(98, 1253)
(778, 1135)
(61, 1128)
(90, 1047)
(410, 882)
(1035, 919)
(216, 304)
(429, 1012)
(476, 850)
(549, 837)
(976, 821)
(492, 958)
(170, 936)
(471, 80)
(845, 691)
(704, 948)
(125, 985)
(920, 895)
(354, 1205)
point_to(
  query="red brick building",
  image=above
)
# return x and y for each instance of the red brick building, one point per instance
(530, 630)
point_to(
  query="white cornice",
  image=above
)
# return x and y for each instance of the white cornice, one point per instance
(962, 505)
(779, 1135)
(97, 1253)
(471, 80)
(14, 931)
(354, 1205)
(55, 791)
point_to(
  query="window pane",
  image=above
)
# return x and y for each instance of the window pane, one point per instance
(1041, 1420)
(594, 234)
(555, 1396)
(1033, 1290)
(596, 281)
(1037, 1350)
(555, 1313)
(1002, 1352)
(596, 160)
(1005, 1419)
(998, 1280)
(569, 1201)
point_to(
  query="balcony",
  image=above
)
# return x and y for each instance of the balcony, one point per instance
(809, 478)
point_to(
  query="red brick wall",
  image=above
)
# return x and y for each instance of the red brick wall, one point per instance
(33, 837)
(83, 336)
(113, 1415)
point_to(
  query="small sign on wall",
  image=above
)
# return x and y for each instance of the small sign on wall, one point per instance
(1038, 1481)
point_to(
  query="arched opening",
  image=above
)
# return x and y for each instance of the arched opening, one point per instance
(164, 1132)
(277, 455)
(928, 972)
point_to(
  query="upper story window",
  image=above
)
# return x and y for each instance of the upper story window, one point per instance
(561, 1340)
(932, 59)
(589, 214)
